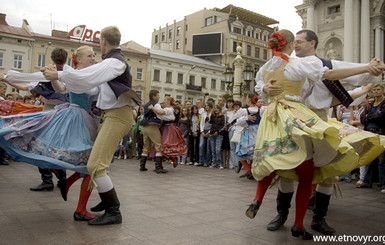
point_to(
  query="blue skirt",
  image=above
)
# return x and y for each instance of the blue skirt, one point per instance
(61, 138)
(246, 145)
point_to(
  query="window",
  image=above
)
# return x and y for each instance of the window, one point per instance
(1, 59)
(156, 38)
(180, 78)
(177, 44)
(192, 80)
(41, 60)
(237, 30)
(248, 50)
(156, 75)
(169, 77)
(178, 29)
(249, 33)
(217, 19)
(257, 50)
(235, 44)
(209, 21)
(163, 36)
(70, 62)
(265, 54)
(223, 85)
(186, 27)
(17, 61)
(169, 34)
(213, 84)
(203, 82)
(334, 9)
(139, 74)
(179, 97)
(257, 35)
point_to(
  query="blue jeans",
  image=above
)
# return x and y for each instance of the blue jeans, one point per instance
(184, 157)
(233, 146)
(204, 150)
(380, 161)
(216, 150)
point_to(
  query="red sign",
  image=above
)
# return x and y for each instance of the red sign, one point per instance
(81, 33)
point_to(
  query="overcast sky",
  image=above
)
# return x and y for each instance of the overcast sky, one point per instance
(135, 19)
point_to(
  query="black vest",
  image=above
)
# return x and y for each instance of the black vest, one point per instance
(123, 82)
(47, 91)
(335, 87)
(149, 116)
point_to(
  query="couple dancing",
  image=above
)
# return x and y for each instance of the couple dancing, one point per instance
(292, 139)
(68, 140)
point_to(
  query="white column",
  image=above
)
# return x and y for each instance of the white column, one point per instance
(238, 78)
(365, 32)
(356, 31)
(348, 31)
(310, 16)
(379, 43)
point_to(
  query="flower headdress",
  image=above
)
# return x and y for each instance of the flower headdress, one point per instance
(281, 44)
(74, 60)
(172, 101)
(254, 99)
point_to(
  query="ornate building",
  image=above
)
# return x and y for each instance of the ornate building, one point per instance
(349, 30)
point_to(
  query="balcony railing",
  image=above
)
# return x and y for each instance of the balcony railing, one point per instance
(193, 87)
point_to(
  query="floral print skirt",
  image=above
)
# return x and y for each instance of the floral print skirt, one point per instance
(290, 133)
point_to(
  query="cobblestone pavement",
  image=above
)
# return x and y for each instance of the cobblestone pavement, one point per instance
(188, 205)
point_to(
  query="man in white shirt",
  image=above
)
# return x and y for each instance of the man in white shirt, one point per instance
(316, 96)
(116, 99)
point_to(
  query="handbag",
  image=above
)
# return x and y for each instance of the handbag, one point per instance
(237, 134)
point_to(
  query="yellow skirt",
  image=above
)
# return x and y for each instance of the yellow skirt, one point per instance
(284, 133)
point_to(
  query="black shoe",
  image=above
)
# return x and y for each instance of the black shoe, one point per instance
(277, 222)
(238, 168)
(142, 169)
(247, 174)
(5, 162)
(161, 171)
(298, 232)
(43, 187)
(252, 210)
(63, 188)
(99, 207)
(322, 227)
(283, 205)
(112, 214)
(81, 217)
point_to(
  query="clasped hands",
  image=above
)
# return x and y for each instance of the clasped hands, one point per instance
(50, 72)
(376, 67)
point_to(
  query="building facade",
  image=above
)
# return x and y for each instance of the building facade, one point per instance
(185, 77)
(349, 30)
(236, 26)
(25, 51)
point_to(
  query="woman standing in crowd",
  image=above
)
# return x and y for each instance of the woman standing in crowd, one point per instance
(194, 136)
(204, 140)
(217, 121)
(184, 125)
(233, 144)
(228, 112)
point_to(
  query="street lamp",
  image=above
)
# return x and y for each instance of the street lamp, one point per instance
(235, 83)
(229, 78)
